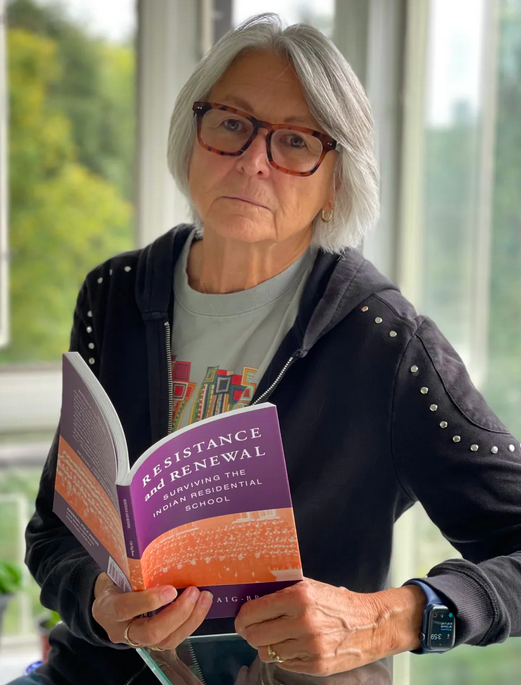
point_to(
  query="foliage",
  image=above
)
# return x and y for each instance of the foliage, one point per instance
(71, 145)
(10, 577)
(50, 619)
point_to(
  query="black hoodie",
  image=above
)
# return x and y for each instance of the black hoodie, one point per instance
(376, 411)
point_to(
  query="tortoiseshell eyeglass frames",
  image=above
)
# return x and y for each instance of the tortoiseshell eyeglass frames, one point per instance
(292, 149)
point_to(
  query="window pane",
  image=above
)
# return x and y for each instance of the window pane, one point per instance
(71, 69)
(472, 266)
(71, 90)
(318, 13)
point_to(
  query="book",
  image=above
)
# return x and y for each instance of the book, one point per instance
(208, 505)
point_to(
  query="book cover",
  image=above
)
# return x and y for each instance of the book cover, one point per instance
(209, 505)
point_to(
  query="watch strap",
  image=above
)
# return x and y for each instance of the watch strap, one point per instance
(432, 599)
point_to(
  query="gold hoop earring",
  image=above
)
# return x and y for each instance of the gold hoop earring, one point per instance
(326, 221)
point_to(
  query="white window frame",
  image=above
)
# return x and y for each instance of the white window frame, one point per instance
(173, 35)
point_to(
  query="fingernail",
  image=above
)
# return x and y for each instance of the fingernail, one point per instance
(192, 594)
(168, 594)
(206, 599)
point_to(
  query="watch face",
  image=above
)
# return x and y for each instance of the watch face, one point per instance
(440, 629)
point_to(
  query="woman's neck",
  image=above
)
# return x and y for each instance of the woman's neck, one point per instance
(219, 265)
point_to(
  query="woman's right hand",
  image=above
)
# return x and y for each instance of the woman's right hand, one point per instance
(114, 610)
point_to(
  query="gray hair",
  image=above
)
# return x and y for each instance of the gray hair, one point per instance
(335, 98)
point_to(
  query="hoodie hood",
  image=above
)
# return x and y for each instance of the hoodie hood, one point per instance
(336, 285)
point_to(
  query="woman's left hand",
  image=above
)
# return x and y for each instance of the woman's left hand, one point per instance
(319, 629)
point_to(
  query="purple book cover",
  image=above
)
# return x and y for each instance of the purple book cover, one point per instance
(208, 506)
(212, 508)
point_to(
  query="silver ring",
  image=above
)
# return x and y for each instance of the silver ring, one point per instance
(274, 656)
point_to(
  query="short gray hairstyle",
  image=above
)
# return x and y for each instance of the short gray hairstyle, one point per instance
(335, 98)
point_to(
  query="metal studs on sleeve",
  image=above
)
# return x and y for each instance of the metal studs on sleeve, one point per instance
(414, 369)
(424, 390)
(474, 448)
(494, 450)
(365, 309)
(128, 268)
(378, 319)
(456, 438)
(433, 407)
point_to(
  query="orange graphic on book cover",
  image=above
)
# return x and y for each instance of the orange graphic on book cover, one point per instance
(259, 546)
(83, 493)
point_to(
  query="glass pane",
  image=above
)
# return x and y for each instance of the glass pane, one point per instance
(452, 135)
(71, 73)
(454, 269)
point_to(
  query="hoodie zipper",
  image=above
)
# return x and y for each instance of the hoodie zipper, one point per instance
(136, 675)
(170, 426)
(170, 381)
(267, 393)
(199, 672)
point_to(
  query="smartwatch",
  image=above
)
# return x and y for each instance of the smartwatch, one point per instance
(438, 631)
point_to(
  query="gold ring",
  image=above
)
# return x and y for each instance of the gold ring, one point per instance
(274, 656)
(129, 642)
(153, 648)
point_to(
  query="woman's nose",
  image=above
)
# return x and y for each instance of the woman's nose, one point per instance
(255, 158)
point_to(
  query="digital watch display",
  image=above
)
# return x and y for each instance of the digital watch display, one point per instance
(440, 629)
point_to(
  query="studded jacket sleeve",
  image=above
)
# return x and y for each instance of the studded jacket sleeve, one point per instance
(454, 455)
(63, 569)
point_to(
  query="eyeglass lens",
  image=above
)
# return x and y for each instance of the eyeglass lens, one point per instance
(229, 132)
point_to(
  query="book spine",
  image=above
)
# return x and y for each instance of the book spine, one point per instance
(129, 525)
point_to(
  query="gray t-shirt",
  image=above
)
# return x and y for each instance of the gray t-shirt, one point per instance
(222, 344)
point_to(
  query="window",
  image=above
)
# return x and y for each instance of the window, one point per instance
(319, 14)
(464, 267)
(69, 179)
(71, 151)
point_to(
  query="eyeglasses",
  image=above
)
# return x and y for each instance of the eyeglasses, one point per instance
(292, 149)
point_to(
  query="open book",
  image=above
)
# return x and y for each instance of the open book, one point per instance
(209, 505)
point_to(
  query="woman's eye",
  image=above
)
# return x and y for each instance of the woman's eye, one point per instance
(296, 142)
(233, 125)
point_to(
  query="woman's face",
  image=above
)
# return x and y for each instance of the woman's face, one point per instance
(271, 89)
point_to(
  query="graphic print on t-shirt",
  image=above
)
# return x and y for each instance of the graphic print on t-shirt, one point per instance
(219, 391)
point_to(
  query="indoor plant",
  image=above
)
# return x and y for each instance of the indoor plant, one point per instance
(10, 582)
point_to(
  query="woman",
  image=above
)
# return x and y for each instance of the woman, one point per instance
(271, 141)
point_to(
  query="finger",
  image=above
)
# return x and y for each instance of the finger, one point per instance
(267, 608)
(284, 650)
(275, 631)
(198, 615)
(128, 605)
(156, 629)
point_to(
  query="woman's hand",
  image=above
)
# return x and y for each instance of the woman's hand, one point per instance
(114, 610)
(319, 629)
